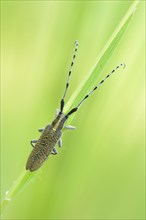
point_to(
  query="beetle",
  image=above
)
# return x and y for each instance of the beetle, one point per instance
(51, 134)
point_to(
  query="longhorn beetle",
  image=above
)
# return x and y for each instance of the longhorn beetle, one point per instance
(51, 134)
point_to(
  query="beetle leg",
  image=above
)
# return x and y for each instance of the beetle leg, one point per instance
(60, 142)
(33, 141)
(69, 127)
(54, 151)
(41, 129)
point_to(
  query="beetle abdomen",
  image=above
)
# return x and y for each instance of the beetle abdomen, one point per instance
(43, 148)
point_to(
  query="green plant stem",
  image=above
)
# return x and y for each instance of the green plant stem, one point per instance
(16, 187)
(104, 57)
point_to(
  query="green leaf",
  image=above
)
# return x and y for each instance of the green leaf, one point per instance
(102, 61)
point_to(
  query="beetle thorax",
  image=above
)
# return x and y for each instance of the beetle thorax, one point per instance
(59, 121)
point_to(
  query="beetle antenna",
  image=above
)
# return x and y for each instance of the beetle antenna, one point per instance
(96, 87)
(69, 74)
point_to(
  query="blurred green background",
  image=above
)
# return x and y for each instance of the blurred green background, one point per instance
(99, 172)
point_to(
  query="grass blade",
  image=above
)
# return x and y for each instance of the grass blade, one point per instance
(103, 59)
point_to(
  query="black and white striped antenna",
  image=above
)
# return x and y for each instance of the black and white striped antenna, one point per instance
(69, 74)
(96, 87)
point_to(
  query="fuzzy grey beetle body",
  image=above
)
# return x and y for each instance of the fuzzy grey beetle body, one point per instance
(51, 134)
(46, 144)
